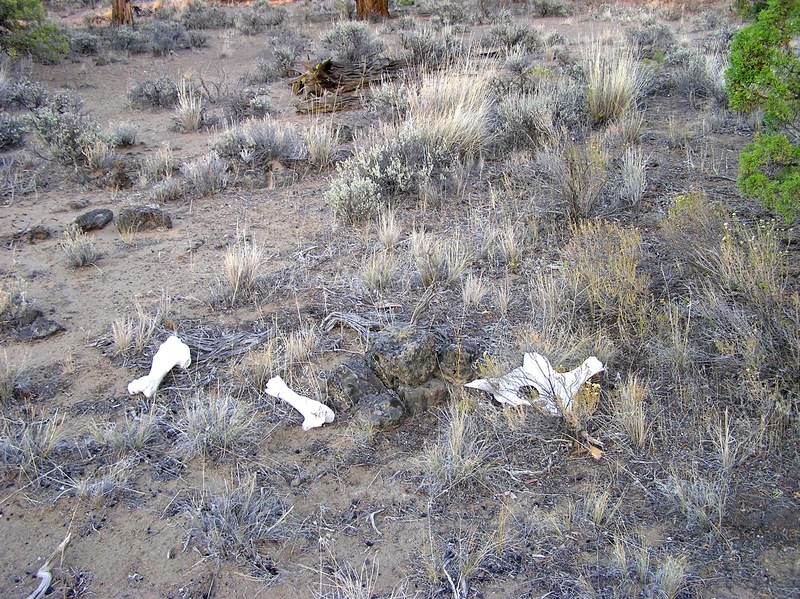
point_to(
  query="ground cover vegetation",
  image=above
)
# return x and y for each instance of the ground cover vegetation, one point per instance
(616, 180)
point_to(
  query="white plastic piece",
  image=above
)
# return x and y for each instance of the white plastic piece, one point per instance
(173, 352)
(314, 413)
(557, 390)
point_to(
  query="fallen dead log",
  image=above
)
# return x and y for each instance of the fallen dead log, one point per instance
(330, 85)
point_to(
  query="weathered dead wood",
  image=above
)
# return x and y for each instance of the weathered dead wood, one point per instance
(121, 12)
(371, 9)
(330, 85)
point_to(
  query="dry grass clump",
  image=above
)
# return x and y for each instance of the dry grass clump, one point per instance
(258, 142)
(207, 175)
(9, 372)
(460, 456)
(99, 155)
(454, 111)
(138, 333)
(700, 495)
(123, 135)
(447, 120)
(439, 259)
(525, 121)
(158, 166)
(133, 433)
(27, 446)
(630, 411)
(633, 172)
(615, 81)
(474, 288)
(322, 141)
(79, 249)
(603, 260)
(576, 173)
(379, 270)
(243, 263)
(189, 110)
(236, 522)
(104, 486)
(216, 426)
(389, 230)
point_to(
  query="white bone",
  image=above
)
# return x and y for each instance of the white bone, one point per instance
(557, 390)
(173, 352)
(314, 413)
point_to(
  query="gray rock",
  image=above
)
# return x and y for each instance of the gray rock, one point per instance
(418, 399)
(403, 357)
(140, 218)
(383, 409)
(27, 235)
(349, 383)
(31, 325)
(94, 219)
(457, 362)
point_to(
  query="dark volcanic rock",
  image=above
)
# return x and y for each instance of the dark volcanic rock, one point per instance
(350, 382)
(457, 362)
(383, 409)
(403, 357)
(418, 399)
(94, 219)
(28, 235)
(140, 218)
(32, 324)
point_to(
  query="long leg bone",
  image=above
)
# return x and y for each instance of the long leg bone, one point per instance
(556, 389)
(173, 352)
(314, 413)
(45, 574)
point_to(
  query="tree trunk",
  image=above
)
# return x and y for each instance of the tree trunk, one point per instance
(121, 13)
(369, 9)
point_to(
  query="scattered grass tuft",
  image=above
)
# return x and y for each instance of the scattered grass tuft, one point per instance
(216, 426)
(460, 456)
(79, 249)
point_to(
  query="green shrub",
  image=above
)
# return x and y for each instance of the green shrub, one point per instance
(764, 75)
(350, 41)
(515, 37)
(66, 130)
(161, 93)
(25, 32)
(391, 171)
(12, 130)
(199, 15)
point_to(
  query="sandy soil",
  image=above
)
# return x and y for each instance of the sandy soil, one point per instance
(137, 546)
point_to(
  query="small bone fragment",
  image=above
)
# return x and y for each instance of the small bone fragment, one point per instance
(173, 352)
(556, 389)
(44, 572)
(314, 413)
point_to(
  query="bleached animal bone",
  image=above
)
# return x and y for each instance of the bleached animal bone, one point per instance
(314, 413)
(173, 352)
(557, 390)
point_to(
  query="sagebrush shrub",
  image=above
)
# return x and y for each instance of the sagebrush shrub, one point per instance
(161, 93)
(515, 37)
(12, 130)
(352, 41)
(393, 170)
(207, 175)
(524, 121)
(199, 15)
(429, 48)
(260, 141)
(66, 130)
